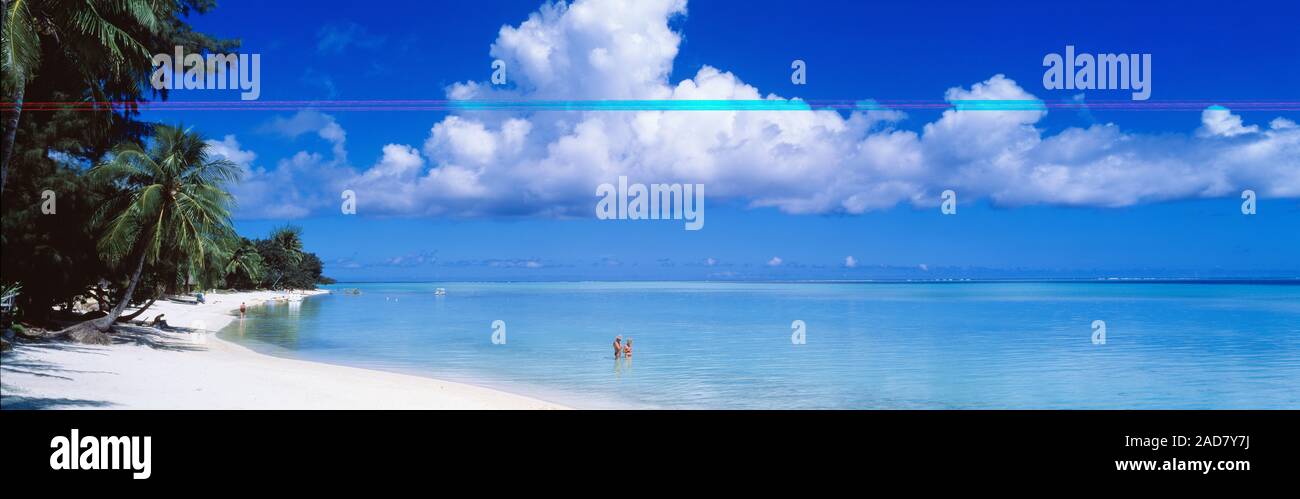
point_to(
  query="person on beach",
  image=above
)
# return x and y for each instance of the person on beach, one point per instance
(618, 346)
(242, 309)
(627, 349)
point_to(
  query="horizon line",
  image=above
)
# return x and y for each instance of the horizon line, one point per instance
(1097, 280)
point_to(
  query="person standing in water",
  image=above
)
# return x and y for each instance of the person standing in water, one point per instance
(618, 346)
(627, 354)
(242, 309)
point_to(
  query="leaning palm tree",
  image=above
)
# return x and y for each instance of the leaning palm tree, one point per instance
(95, 34)
(173, 209)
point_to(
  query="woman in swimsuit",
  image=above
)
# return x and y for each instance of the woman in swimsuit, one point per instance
(627, 348)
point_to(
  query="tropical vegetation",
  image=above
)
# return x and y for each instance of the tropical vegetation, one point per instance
(100, 206)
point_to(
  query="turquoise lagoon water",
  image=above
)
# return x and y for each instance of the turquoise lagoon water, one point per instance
(868, 345)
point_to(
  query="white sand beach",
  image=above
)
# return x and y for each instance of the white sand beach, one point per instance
(146, 368)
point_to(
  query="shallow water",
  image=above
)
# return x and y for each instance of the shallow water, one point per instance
(869, 345)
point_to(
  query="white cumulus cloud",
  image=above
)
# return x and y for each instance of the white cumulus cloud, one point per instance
(548, 163)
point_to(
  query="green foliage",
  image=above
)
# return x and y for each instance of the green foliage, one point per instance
(285, 264)
(91, 31)
(19, 42)
(52, 254)
(173, 205)
(288, 241)
(166, 203)
(78, 50)
(108, 43)
(306, 274)
(244, 268)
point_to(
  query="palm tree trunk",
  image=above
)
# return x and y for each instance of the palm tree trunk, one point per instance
(103, 323)
(131, 316)
(11, 129)
(92, 331)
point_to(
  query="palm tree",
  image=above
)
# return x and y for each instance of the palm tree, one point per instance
(289, 240)
(244, 261)
(96, 34)
(174, 208)
(208, 270)
(284, 252)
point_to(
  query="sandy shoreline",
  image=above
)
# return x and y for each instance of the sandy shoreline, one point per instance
(150, 369)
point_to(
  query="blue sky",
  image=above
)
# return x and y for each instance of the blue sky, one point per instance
(1068, 193)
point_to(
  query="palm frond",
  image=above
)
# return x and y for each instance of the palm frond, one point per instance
(85, 18)
(21, 45)
(176, 208)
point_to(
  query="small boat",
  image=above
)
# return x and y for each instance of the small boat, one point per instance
(440, 292)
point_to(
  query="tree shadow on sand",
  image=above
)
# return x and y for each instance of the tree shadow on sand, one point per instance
(21, 403)
(23, 361)
(15, 362)
(157, 339)
(19, 360)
